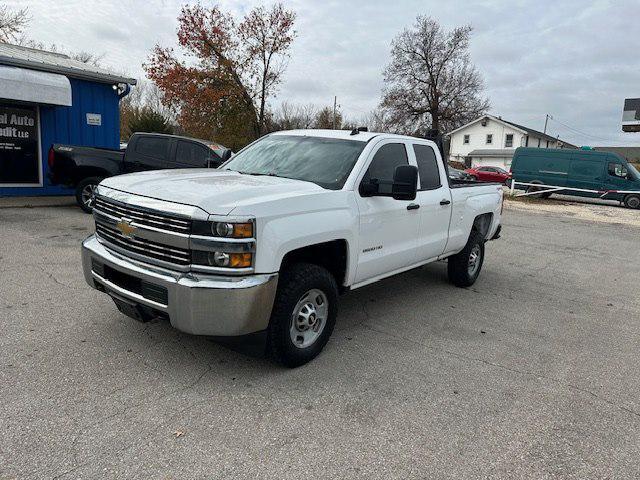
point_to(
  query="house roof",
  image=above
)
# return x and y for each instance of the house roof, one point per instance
(521, 128)
(492, 152)
(45, 61)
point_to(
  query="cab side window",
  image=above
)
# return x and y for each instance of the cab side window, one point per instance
(155, 147)
(427, 167)
(192, 154)
(618, 170)
(384, 164)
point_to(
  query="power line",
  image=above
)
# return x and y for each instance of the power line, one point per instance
(595, 137)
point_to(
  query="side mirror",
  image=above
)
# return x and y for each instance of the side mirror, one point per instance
(405, 182)
(226, 155)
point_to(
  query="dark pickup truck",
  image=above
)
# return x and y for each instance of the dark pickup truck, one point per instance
(84, 167)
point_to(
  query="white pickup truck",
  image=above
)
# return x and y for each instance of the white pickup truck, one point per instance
(262, 247)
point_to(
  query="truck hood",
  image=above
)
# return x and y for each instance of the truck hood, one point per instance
(214, 191)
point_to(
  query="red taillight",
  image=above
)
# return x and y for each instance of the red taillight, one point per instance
(51, 158)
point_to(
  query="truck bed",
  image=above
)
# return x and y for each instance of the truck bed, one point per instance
(457, 183)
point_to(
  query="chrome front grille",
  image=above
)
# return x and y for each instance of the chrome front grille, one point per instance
(141, 216)
(144, 247)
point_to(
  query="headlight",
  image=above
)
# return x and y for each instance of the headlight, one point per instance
(232, 230)
(224, 229)
(222, 259)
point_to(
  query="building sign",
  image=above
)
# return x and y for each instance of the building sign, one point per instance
(19, 160)
(94, 119)
(631, 115)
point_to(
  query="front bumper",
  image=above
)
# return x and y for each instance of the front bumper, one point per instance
(198, 304)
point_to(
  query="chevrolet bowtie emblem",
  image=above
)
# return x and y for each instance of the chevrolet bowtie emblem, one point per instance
(124, 225)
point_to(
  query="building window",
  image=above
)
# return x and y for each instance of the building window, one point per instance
(465, 140)
(508, 141)
(489, 139)
(19, 146)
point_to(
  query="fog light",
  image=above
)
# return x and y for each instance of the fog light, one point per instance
(219, 259)
(232, 260)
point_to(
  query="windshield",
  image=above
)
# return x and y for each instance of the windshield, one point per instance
(634, 172)
(324, 161)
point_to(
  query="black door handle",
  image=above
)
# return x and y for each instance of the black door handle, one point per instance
(445, 202)
(413, 206)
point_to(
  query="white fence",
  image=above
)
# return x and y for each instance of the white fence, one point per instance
(541, 189)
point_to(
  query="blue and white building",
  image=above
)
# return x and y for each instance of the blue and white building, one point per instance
(48, 98)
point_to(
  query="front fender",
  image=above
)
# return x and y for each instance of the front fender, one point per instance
(279, 236)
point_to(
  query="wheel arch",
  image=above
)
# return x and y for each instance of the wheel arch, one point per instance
(482, 224)
(88, 171)
(332, 255)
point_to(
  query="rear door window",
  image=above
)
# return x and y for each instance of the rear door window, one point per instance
(154, 147)
(427, 167)
(192, 154)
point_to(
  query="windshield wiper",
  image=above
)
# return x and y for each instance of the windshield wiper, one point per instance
(259, 174)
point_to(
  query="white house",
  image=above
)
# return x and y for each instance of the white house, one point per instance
(491, 140)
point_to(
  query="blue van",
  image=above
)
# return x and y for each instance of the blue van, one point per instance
(582, 169)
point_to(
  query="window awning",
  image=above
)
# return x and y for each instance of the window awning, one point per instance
(35, 87)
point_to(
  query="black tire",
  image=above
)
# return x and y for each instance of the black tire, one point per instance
(89, 183)
(295, 281)
(531, 189)
(632, 201)
(458, 266)
(474, 178)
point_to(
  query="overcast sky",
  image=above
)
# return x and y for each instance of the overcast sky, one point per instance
(574, 59)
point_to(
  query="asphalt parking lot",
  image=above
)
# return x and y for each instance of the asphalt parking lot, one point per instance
(531, 373)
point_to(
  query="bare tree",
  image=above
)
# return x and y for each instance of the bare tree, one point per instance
(12, 23)
(431, 82)
(145, 100)
(324, 119)
(87, 57)
(291, 116)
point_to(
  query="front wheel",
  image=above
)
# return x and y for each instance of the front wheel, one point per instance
(304, 314)
(464, 267)
(85, 193)
(632, 201)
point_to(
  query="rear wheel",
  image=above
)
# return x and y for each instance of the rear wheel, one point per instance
(464, 267)
(532, 188)
(632, 201)
(85, 192)
(304, 314)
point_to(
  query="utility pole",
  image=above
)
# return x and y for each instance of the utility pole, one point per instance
(335, 102)
(546, 119)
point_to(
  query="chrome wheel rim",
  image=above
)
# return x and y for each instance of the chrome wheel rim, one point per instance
(474, 260)
(309, 318)
(88, 194)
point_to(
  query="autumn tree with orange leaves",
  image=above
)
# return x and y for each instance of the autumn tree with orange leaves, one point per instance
(231, 69)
